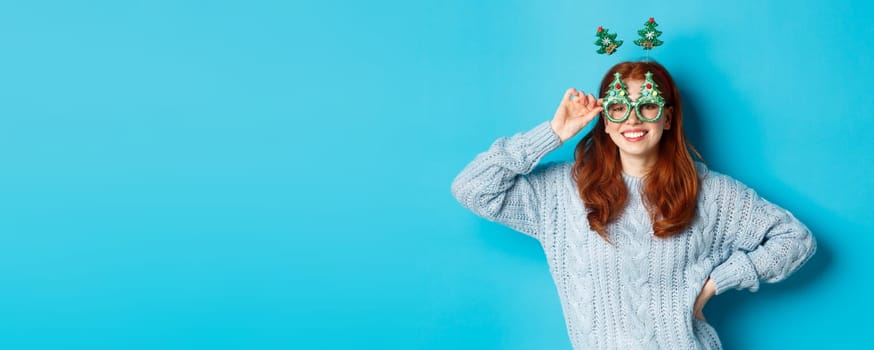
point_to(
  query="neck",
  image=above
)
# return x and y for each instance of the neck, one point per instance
(637, 165)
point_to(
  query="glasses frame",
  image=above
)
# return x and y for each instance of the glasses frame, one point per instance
(618, 94)
(636, 105)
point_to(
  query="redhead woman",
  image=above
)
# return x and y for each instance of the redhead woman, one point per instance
(638, 235)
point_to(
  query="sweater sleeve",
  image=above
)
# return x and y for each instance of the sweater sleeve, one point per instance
(769, 243)
(502, 185)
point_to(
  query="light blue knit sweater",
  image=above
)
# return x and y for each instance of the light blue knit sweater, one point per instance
(638, 294)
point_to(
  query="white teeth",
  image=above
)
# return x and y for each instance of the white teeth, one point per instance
(633, 135)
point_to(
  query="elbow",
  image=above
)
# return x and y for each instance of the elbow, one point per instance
(458, 191)
(464, 193)
(799, 241)
(796, 252)
(476, 199)
(783, 252)
(808, 242)
(802, 247)
(803, 243)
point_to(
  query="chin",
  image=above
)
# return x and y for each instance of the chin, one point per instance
(638, 150)
(637, 153)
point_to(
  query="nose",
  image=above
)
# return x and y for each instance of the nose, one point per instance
(632, 118)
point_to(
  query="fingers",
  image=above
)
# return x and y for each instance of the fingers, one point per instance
(594, 105)
(568, 94)
(590, 101)
(590, 98)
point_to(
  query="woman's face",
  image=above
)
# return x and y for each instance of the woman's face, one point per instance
(635, 138)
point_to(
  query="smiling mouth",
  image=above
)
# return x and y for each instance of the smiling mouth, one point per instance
(634, 135)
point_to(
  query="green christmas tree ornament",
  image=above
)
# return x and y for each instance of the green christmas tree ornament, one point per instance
(649, 35)
(607, 43)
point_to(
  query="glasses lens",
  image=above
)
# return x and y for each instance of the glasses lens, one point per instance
(648, 110)
(617, 111)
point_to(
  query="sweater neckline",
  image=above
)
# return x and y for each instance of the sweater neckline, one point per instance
(632, 181)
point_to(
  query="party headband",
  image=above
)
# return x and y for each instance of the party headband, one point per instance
(649, 38)
(617, 103)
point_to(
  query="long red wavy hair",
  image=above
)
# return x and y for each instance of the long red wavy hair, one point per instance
(670, 187)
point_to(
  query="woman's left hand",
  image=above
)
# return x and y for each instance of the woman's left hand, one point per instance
(707, 291)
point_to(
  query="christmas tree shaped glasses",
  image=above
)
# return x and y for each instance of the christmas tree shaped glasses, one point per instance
(648, 107)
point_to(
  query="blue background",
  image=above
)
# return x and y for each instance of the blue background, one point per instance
(273, 174)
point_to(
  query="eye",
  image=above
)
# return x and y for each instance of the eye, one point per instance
(617, 108)
(649, 107)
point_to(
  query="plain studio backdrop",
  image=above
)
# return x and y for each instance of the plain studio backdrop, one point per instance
(275, 175)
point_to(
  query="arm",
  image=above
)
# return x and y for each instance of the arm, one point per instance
(770, 244)
(502, 183)
(499, 184)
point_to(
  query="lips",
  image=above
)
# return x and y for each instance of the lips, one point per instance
(634, 135)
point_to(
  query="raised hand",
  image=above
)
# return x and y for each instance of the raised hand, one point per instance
(575, 112)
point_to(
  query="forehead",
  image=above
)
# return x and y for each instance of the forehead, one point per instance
(633, 87)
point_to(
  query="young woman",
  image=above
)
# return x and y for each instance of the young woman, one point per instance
(637, 235)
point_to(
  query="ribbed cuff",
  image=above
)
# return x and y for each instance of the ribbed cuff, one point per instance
(541, 140)
(736, 272)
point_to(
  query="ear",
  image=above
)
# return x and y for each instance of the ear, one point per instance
(669, 117)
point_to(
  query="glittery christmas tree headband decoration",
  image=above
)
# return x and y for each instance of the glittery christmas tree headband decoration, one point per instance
(617, 105)
(607, 42)
(649, 38)
(649, 105)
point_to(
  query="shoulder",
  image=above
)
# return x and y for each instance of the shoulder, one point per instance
(554, 175)
(713, 182)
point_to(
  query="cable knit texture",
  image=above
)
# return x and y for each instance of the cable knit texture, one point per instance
(640, 292)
